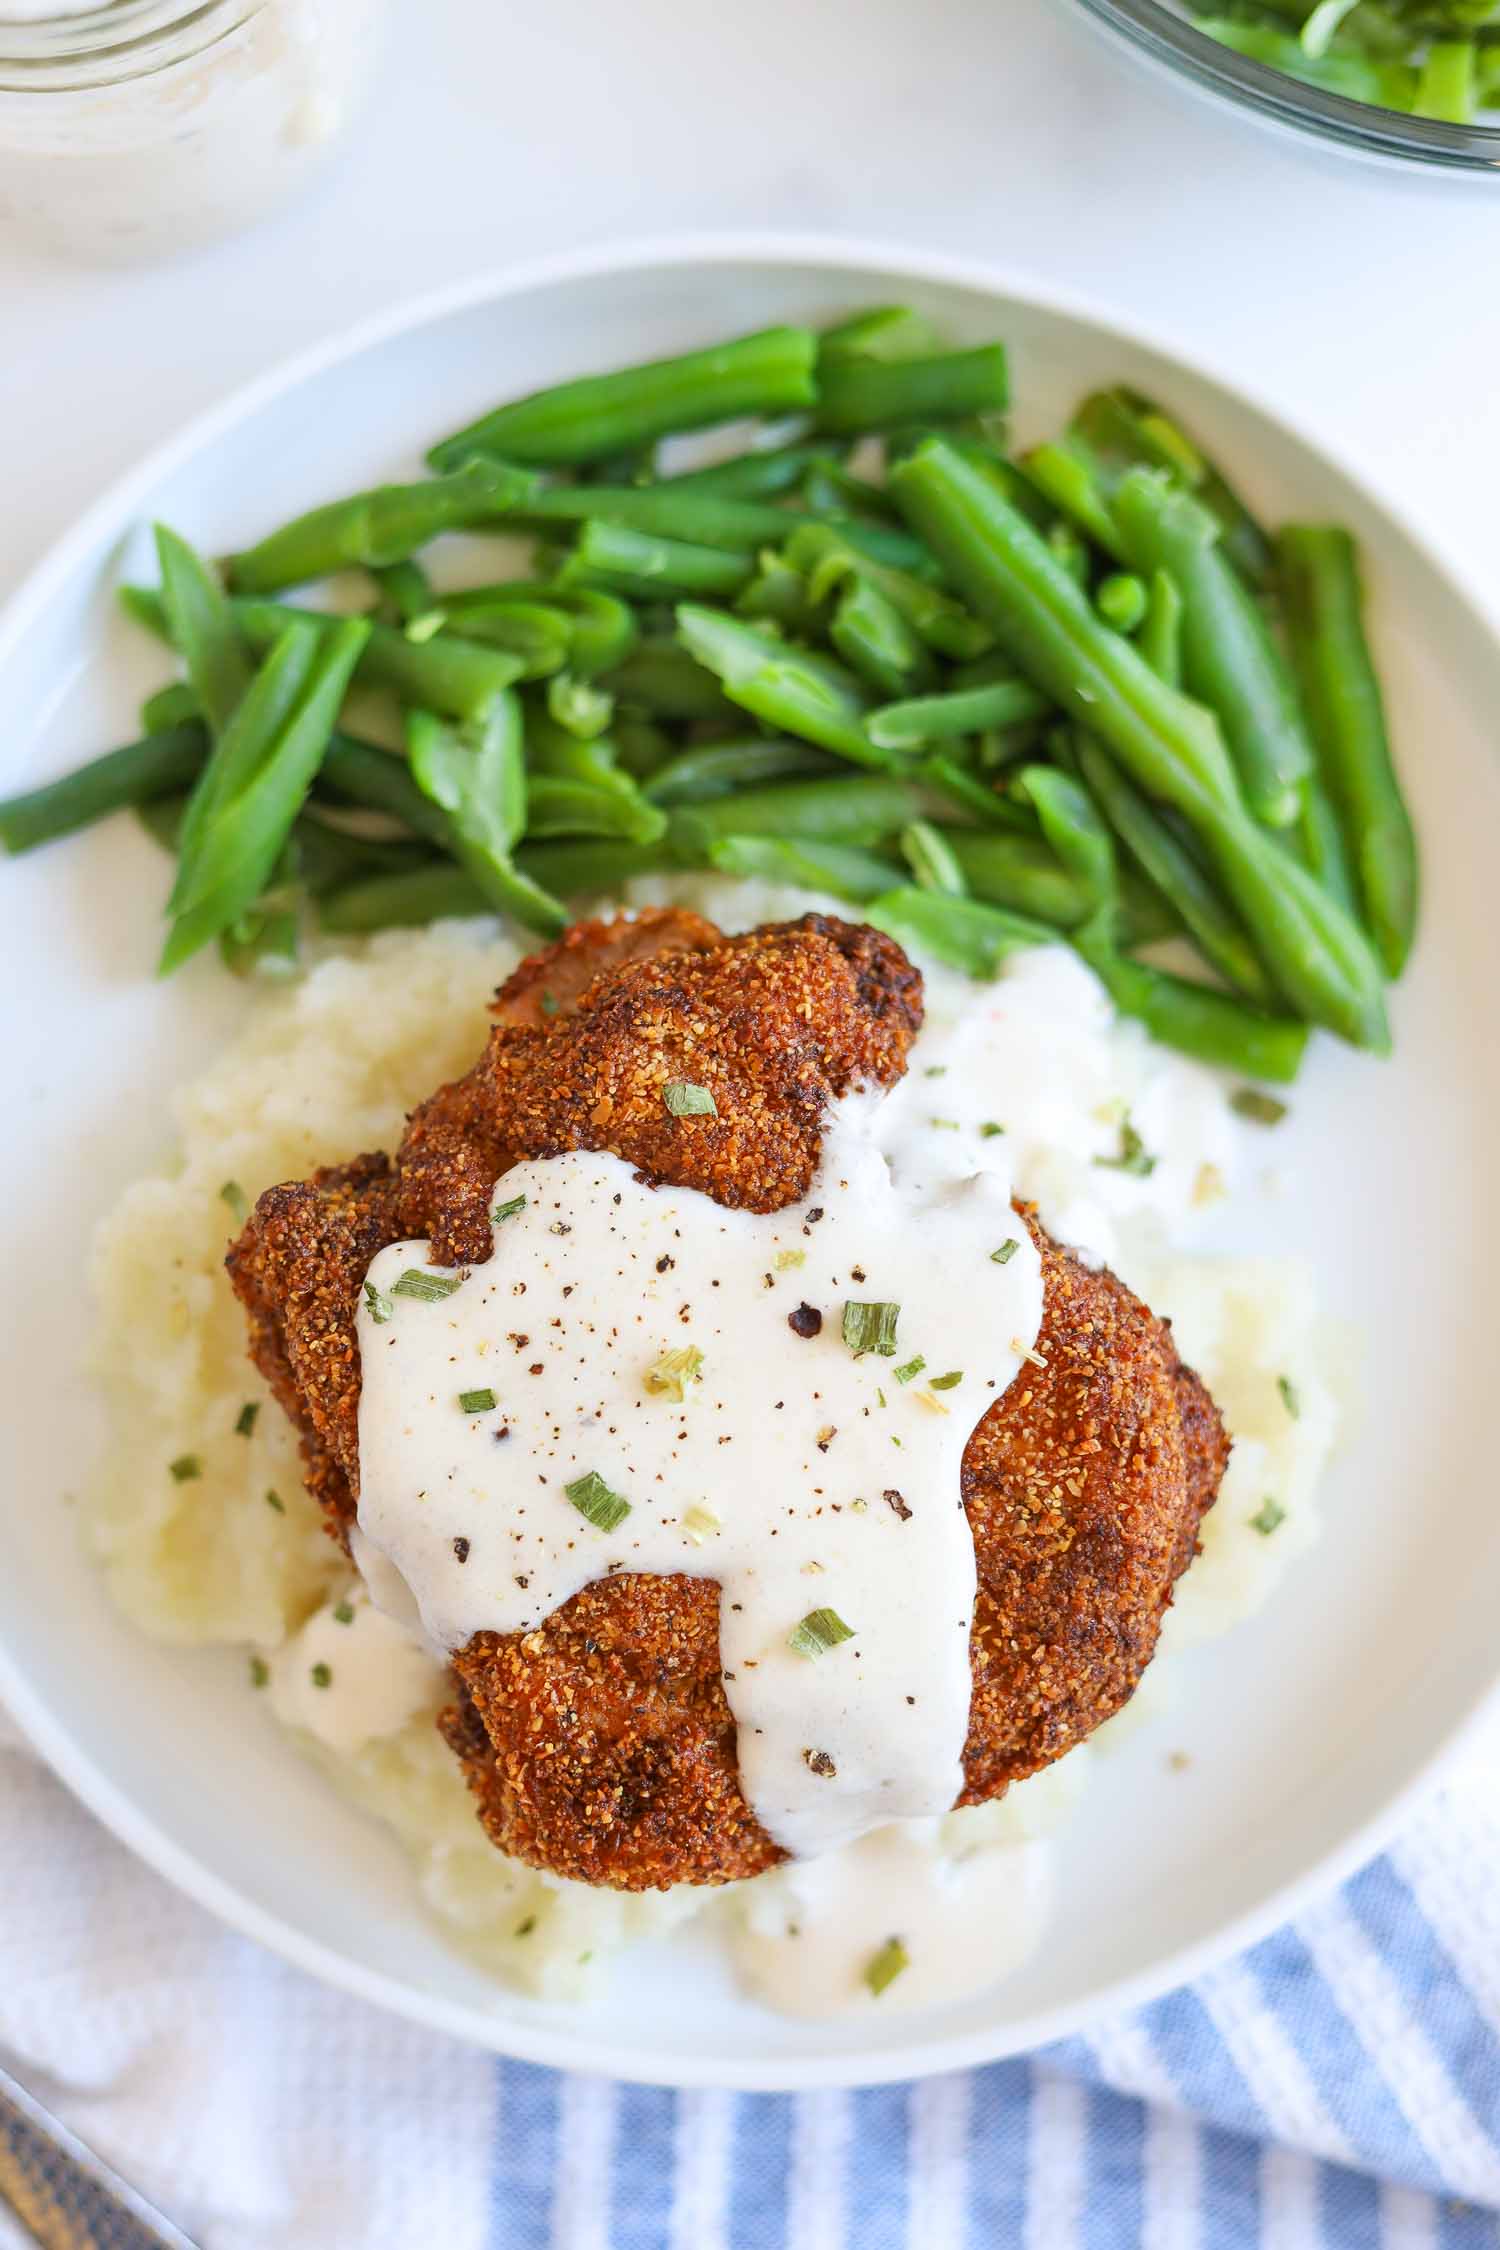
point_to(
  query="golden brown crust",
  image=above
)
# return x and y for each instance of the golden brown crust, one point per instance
(601, 1746)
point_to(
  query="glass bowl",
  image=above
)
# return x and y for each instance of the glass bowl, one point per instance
(1165, 36)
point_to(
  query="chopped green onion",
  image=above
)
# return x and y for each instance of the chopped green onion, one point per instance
(185, 1468)
(989, 1129)
(670, 1376)
(909, 1369)
(885, 1966)
(819, 1631)
(944, 1124)
(477, 1402)
(591, 1496)
(1261, 1109)
(549, 1004)
(525, 1926)
(508, 1210)
(321, 1675)
(377, 1304)
(700, 1524)
(274, 1500)
(684, 1099)
(871, 1328)
(1133, 1157)
(260, 1671)
(948, 1382)
(1269, 1514)
(343, 1613)
(234, 1195)
(429, 1287)
(1289, 1397)
(244, 1421)
(1006, 1251)
(786, 1259)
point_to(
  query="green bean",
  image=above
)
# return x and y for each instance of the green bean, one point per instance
(959, 931)
(590, 864)
(161, 817)
(757, 475)
(453, 677)
(577, 707)
(1071, 552)
(842, 869)
(202, 629)
(1123, 430)
(135, 775)
(1211, 1026)
(256, 778)
(874, 639)
(428, 894)
(599, 628)
(695, 776)
(1160, 641)
(769, 373)
(1022, 872)
(1166, 862)
(361, 773)
(576, 788)
(537, 636)
(1321, 845)
(887, 332)
(406, 591)
(612, 558)
(642, 748)
(478, 778)
(1064, 471)
(661, 678)
(858, 810)
(1122, 601)
(826, 556)
(385, 525)
(805, 695)
(859, 393)
(1230, 661)
(663, 511)
(973, 794)
(831, 492)
(932, 859)
(940, 718)
(175, 705)
(1171, 748)
(1323, 605)
(266, 942)
(781, 595)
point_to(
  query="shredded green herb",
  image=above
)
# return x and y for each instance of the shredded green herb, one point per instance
(945, 1124)
(428, 1287)
(234, 1195)
(871, 1328)
(819, 1631)
(525, 1926)
(1289, 1396)
(343, 1613)
(948, 1382)
(378, 1305)
(1267, 1516)
(185, 1468)
(476, 1402)
(885, 1966)
(1006, 1251)
(321, 1675)
(593, 1499)
(909, 1369)
(260, 1671)
(274, 1500)
(508, 1210)
(550, 1004)
(669, 1376)
(786, 1259)
(700, 1524)
(684, 1099)
(1133, 1157)
(989, 1129)
(244, 1421)
(936, 1070)
(1261, 1109)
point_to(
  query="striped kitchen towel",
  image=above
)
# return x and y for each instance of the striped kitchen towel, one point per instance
(1336, 2088)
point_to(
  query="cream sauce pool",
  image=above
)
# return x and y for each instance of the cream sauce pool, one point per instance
(801, 1474)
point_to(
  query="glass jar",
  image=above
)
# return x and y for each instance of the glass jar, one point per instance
(138, 127)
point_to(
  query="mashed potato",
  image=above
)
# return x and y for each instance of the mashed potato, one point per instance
(198, 1515)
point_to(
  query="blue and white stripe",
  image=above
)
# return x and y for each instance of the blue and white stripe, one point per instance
(1336, 2088)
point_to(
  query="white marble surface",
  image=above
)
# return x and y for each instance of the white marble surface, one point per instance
(1360, 299)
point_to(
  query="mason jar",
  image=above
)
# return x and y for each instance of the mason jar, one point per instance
(139, 127)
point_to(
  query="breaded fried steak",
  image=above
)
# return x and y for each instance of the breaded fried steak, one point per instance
(600, 1745)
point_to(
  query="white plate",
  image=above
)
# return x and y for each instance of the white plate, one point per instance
(1305, 1728)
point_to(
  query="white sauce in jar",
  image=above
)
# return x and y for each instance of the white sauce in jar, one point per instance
(799, 1475)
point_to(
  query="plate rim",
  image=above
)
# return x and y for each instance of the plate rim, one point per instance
(568, 2044)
